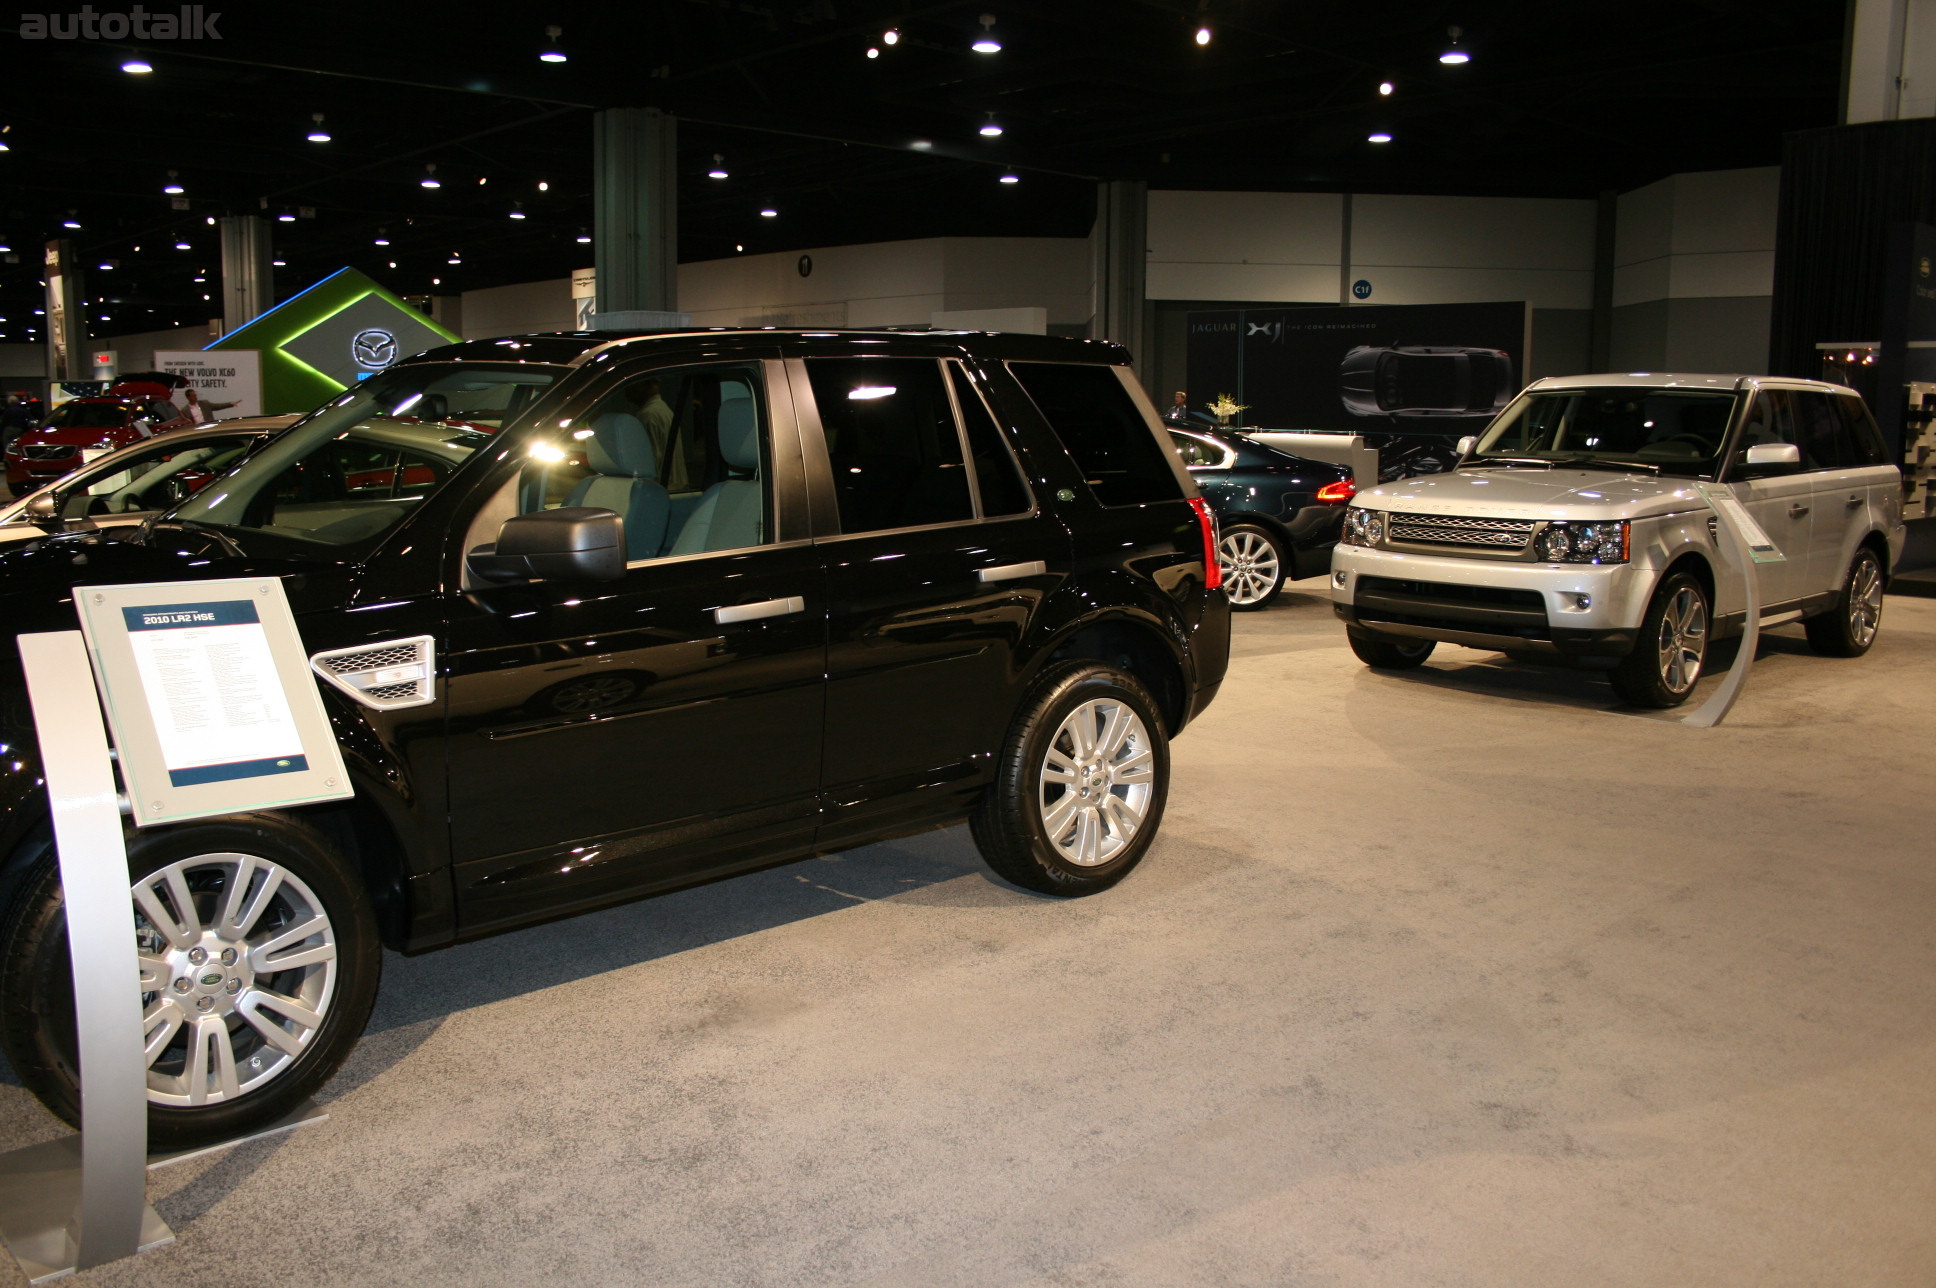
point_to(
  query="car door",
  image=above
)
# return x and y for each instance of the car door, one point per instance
(1783, 503)
(937, 560)
(1846, 468)
(608, 738)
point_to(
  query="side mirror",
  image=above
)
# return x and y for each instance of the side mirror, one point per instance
(1773, 458)
(43, 509)
(1466, 446)
(576, 543)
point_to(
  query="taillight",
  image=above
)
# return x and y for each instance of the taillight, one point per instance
(1212, 569)
(1338, 493)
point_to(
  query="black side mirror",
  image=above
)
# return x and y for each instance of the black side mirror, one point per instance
(576, 543)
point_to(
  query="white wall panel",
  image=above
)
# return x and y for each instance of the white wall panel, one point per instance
(1288, 283)
(1472, 232)
(1541, 289)
(1281, 228)
(527, 306)
(1726, 210)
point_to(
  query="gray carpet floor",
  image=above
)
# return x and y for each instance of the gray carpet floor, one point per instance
(1461, 977)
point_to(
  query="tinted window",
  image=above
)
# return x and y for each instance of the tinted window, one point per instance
(1865, 437)
(1824, 436)
(1677, 431)
(997, 480)
(1196, 451)
(892, 442)
(1770, 419)
(1104, 430)
(87, 415)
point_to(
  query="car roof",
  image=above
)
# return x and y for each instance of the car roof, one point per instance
(569, 348)
(1680, 380)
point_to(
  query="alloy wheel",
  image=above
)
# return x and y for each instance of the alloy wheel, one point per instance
(1683, 640)
(1865, 602)
(1096, 780)
(238, 969)
(1250, 566)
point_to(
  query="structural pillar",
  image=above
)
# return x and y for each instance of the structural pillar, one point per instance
(248, 289)
(635, 205)
(67, 355)
(1891, 69)
(1118, 265)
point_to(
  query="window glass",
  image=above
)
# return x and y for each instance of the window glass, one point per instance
(1103, 429)
(1824, 436)
(353, 470)
(1865, 437)
(997, 479)
(158, 479)
(892, 442)
(681, 455)
(1676, 431)
(1195, 451)
(88, 415)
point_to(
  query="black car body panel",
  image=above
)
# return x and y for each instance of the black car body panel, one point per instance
(1250, 482)
(591, 743)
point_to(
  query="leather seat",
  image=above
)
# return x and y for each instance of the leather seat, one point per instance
(731, 514)
(626, 480)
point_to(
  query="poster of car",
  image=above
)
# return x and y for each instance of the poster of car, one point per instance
(1413, 378)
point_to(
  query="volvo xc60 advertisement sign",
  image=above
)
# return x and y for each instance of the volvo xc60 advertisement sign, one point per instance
(1412, 378)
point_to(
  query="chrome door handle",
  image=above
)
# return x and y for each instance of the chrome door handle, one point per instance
(1797, 510)
(1010, 572)
(764, 608)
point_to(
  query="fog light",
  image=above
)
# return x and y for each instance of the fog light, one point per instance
(1583, 602)
(1338, 579)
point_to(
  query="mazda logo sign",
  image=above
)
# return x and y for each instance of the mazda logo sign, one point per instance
(374, 347)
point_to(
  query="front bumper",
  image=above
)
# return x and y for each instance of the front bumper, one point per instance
(1582, 612)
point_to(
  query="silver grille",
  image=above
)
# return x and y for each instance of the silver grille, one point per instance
(46, 451)
(1452, 530)
(384, 676)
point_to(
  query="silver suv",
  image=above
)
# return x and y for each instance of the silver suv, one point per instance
(1573, 529)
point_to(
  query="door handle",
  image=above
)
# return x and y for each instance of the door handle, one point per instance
(1797, 510)
(764, 608)
(1010, 572)
(1854, 503)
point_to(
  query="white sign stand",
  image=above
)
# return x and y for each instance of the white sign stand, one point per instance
(1749, 548)
(55, 1218)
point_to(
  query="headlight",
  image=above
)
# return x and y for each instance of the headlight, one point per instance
(1568, 541)
(1363, 527)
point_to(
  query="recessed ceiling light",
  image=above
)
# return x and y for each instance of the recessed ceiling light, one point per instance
(1385, 87)
(180, 245)
(382, 237)
(430, 179)
(987, 43)
(1010, 178)
(554, 50)
(286, 218)
(719, 167)
(543, 186)
(990, 130)
(873, 52)
(1453, 55)
(1378, 137)
(70, 223)
(892, 36)
(584, 239)
(516, 213)
(1203, 35)
(769, 213)
(922, 145)
(278, 263)
(135, 67)
(318, 134)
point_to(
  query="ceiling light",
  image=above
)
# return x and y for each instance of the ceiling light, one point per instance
(454, 258)
(986, 43)
(436, 281)
(1010, 178)
(1378, 136)
(181, 245)
(135, 67)
(1454, 55)
(1385, 87)
(4, 248)
(173, 188)
(543, 186)
(516, 211)
(286, 217)
(769, 213)
(738, 247)
(277, 263)
(873, 52)
(211, 221)
(892, 36)
(719, 167)
(5, 148)
(318, 134)
(70, 223)
(554, 49)
(393, 263)
(382, 237)
(1203, 35)
(105, 264)
(430, 179)
(921, 145)
(990, 130)
(584, 238)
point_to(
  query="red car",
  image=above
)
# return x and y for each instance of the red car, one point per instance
(79, 430)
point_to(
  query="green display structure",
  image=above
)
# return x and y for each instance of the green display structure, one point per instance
(339, 331)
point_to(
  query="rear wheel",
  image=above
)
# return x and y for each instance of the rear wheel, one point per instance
(1390, 654)
(1080, 787)
(259, 963)
(1849, 628)
(1667, 659)
(1253, 565)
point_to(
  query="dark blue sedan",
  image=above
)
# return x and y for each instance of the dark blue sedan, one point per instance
(1278, 514)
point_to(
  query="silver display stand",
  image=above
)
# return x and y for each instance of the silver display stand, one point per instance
(81, 1201)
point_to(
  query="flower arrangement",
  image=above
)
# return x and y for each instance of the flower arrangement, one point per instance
(1224, 407)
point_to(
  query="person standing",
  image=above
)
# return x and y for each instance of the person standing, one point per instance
(16, 417)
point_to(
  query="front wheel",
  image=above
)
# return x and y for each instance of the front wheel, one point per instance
(1080, 786)
(1253, 565)
(1671, 649)
(259, 963)
(1388, 654)
(1848, 628)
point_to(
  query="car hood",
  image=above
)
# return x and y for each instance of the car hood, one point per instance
(77, 436)
(1537, 494)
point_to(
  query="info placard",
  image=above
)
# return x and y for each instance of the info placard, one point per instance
(210, 698)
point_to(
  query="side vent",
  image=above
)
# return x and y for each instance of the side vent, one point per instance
(384, 676)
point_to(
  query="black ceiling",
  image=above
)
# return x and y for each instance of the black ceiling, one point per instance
(1561, 98)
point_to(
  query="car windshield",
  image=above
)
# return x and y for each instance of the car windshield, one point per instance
(1672, 431)
(88, 415)
(351, 471)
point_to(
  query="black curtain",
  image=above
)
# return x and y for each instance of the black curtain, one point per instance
(1841, 189)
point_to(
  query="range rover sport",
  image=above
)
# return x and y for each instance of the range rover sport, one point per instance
(596, 616)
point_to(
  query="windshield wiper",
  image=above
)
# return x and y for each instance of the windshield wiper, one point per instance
(1573, 458)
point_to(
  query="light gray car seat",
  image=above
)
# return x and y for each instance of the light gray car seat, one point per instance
(731, 513)
(626, 480)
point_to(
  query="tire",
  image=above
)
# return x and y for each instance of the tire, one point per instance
(1389, 654)
(1254, 565)
(294, 877)
(1849, 628)
(1670, 649)
(1080, 785)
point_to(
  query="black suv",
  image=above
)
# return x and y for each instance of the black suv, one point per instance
(597, 616)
